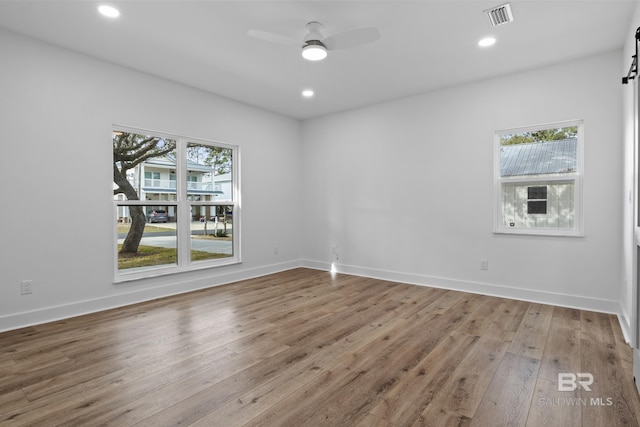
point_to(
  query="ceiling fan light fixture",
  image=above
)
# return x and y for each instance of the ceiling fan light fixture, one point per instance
(314, 50)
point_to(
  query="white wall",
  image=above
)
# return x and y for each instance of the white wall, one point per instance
(405, 188)
(628, 292)
(56, 113)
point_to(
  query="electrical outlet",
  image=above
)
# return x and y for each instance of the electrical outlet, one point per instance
(276, 251)
(484, 264)
(25, 287)
(335, 251)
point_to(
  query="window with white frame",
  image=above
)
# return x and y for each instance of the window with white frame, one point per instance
(538, 172)
(170, 212)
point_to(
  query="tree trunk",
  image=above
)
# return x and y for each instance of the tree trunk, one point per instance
(138, 217)
(138, 221)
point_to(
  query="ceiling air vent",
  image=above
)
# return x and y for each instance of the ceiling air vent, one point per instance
(500, 15)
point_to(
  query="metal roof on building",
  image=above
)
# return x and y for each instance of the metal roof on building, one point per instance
(538, 158)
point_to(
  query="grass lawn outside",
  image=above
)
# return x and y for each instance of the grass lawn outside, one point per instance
(149, 256)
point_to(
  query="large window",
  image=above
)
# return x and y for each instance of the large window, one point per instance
(538, 173)
(176, 203)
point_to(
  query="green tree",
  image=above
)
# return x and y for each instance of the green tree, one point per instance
(539, 136)
(130, 150)
(218, 157)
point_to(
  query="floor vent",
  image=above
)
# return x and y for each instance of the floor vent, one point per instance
(500, 15)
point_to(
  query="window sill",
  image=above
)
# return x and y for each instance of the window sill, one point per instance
(539, 232)
(151, 273)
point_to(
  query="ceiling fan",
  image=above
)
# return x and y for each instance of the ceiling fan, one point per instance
(315, 45)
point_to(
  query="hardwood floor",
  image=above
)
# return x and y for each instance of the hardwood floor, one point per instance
(301, 348)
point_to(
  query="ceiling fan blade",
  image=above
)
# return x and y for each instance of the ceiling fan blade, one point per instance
(352, 38)
(273, 38)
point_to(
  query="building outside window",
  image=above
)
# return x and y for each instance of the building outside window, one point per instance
(539, 180)
(172, 212)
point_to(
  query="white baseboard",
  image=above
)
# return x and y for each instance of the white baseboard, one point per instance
(625, 325)
(79, 308)
(551, 298)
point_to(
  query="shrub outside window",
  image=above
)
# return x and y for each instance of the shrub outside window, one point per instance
(538, 179)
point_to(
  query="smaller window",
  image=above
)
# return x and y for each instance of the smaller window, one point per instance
(537, 200)
(152, 179)
(538, 179)
(192, 182)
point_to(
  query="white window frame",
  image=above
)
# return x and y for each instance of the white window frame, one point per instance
(183, 209)
(532, 180)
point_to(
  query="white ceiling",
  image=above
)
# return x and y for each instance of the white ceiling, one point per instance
(425, 44)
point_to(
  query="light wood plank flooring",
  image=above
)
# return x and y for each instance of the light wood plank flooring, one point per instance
(303, 348)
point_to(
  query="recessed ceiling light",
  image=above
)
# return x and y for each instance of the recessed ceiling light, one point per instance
(108, 11)
(487, 41)
(307, 93)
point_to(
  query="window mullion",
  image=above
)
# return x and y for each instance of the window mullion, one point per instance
(236, 202)
(184, 207)
(540, 178)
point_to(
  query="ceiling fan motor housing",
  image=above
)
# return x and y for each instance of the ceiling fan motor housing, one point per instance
(314, 36)
(313, 43)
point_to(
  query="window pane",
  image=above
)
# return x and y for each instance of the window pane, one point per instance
(209, 173)
(542, 152)
(537, 192)
(538, 207)
(135, 178)
(211, 232)
(518, 211)
(146, 236)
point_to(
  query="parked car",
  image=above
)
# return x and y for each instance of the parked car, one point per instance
(157, 216)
